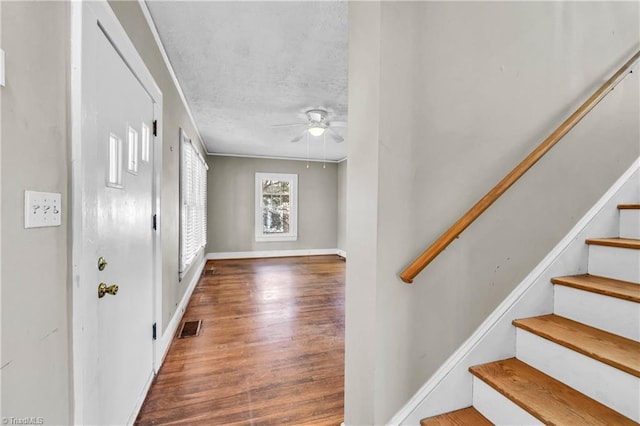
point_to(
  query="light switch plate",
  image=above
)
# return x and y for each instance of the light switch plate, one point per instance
(1, 67)
(42, 209)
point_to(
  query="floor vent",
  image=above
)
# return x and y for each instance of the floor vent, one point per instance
(210, 271)
(190, 329)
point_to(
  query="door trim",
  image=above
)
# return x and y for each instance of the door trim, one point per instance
(1, 361)
(83, 16)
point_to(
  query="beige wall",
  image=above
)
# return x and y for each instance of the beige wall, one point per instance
(231, 200)
(460, 94)
(342, 206)
(35, 293)
(175, 116)
(362, 242)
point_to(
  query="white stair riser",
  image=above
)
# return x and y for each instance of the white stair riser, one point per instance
(630, 223)
(497, 408)
(612, 387)
(614, 262)
(617, 316)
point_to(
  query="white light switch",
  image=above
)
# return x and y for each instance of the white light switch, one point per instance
(1, 67)
(42, 209)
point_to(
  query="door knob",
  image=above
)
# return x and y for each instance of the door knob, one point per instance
(104, 289)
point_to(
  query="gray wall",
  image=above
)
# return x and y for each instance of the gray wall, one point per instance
(444, 99)
(35, 305)
(342, 206)
(231, 200)
(175, 116)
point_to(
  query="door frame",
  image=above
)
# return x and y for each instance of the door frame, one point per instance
(1, 360)
(85, 15)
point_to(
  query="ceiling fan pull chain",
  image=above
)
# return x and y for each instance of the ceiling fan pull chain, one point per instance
(307, 150)
(324, 149)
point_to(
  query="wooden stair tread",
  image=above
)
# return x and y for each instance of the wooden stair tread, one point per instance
(544, 397)
(466, 416)
(602, 285)
(616, 351)
(629, 243)
(628, 206)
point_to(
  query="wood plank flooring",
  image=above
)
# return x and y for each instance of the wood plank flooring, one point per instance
(270, 349)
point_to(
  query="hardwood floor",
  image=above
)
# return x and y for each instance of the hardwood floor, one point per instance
(270, 349)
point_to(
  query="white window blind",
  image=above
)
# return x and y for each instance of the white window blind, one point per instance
(193, 196)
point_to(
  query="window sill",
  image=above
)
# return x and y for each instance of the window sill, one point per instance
(275, 238)
(192, 262)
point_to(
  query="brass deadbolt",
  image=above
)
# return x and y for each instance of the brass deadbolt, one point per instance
(104, 289)
(102, 263)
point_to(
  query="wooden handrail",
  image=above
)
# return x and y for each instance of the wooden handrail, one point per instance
(469, 217)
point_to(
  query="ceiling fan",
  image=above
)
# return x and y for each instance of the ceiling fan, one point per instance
(317, 123)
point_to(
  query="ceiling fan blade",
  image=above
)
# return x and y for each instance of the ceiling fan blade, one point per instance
(289, 125)
(298, 138)
(336, 137)
(338, 124)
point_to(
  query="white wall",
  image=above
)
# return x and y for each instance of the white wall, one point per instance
(445, 98)
(35, 292)
(231, 203)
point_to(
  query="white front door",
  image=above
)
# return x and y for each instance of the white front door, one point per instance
(117, 213)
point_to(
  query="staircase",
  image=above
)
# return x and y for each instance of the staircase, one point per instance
(579, 365)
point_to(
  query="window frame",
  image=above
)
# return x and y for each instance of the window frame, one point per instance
(292, 235)
(193, 207)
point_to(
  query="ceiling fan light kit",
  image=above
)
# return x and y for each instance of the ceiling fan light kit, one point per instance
(317, 123)
(316, 130)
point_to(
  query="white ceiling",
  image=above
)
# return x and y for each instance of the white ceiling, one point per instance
(245, 66)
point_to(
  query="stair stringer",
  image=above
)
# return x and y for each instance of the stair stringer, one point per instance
(450, 388)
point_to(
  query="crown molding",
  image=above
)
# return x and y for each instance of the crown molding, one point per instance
(268, 157)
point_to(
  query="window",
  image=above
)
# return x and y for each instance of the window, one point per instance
(193, 200)
(132, 166)
(114, 174)
(276, 207)
(146, 136)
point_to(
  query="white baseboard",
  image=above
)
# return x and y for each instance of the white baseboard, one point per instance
(167, 336)
(494, 338)
(273, 253)
(341, 253)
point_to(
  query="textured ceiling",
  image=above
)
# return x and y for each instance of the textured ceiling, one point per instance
(245, 66)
